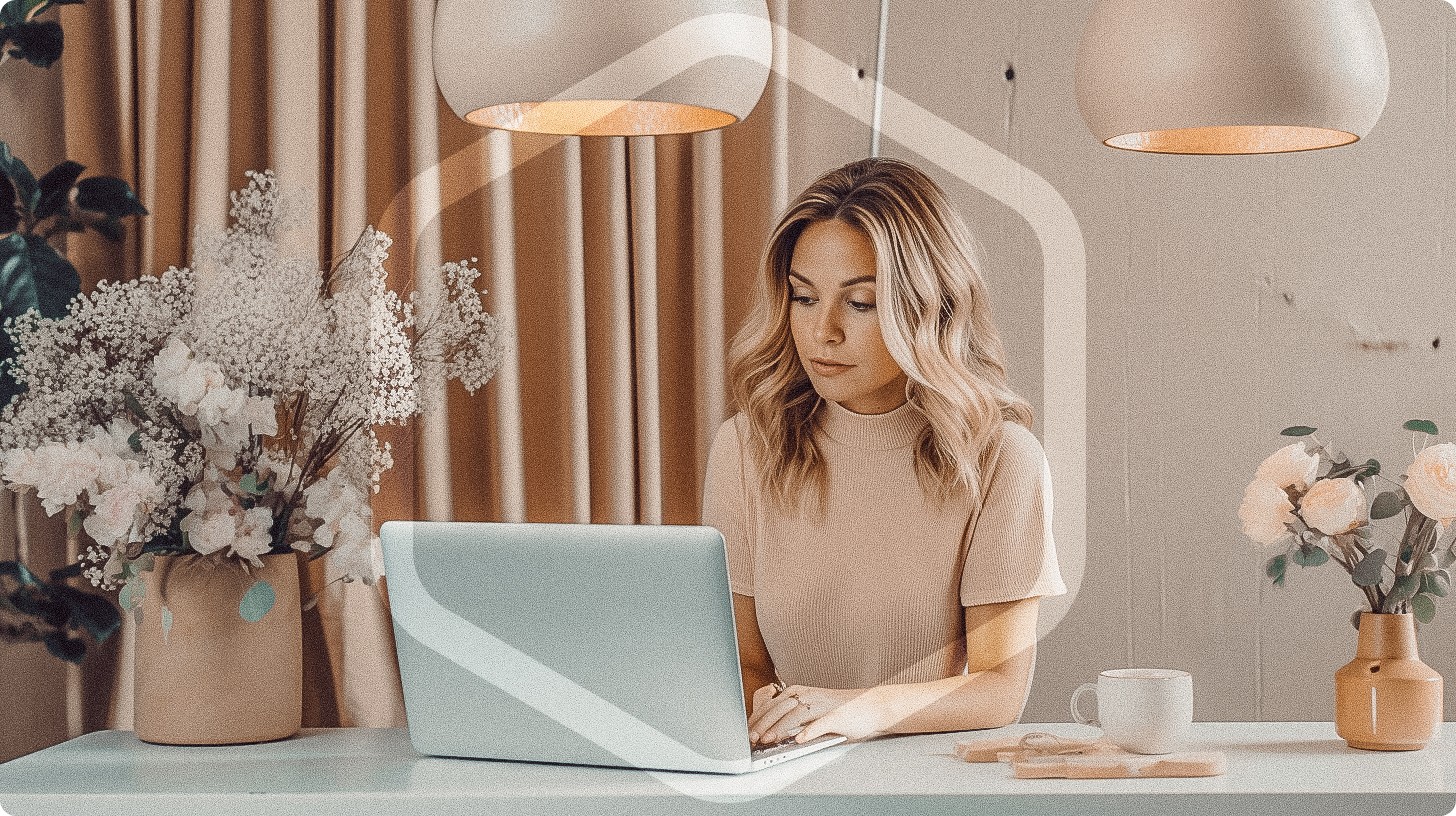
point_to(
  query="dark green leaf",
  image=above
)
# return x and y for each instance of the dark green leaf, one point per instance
(9, 216)
(71, 570)
(93, 613)
(1314, 558)
(56, 280)
(69, 649)
(108, 195)
(55, 188)
(1370, 569)
(13, 13)
(38, 43)
(18, 172)
(1297, 430)
(1424, 608)
(1405, 586)
(110, 229)
(1275, 569)
(1431, 586)
(1364, 532)
(1387, 504)
(135, 441)
(19, 572)
(1424, 426)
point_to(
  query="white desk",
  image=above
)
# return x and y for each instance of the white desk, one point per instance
(1287, 769)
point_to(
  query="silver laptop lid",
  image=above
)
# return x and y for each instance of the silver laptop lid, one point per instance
(586, 644)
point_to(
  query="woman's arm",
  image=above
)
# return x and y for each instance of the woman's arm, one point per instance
(753, 657)
(1001, 646)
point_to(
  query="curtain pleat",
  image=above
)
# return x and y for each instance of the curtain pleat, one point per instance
(507, 383)
(711, 357)
(211, 117)
(606, 261)
(643, 188)
(576, 310)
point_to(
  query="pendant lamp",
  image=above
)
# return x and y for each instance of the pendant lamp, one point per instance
(1231, 76)
(602, 67)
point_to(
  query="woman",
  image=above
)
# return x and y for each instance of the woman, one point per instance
(886, 508)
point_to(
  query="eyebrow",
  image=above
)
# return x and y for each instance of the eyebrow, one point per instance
(842, 285)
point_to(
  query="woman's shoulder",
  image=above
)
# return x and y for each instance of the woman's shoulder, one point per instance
(730, 440)
(1018, 447)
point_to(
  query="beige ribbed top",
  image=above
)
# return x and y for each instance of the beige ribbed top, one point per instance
(873, 591)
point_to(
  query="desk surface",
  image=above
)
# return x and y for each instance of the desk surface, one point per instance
(1283, 768)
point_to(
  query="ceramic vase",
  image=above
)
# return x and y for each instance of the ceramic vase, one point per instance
(205, 673)
(1386, 699)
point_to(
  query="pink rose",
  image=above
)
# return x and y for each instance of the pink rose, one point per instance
(1265, 511)
(1430, 482)
(1335, 506)
(1290, 466)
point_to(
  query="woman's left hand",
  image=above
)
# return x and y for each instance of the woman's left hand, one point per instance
(815, 711)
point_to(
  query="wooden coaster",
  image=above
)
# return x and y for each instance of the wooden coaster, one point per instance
(1121, 765)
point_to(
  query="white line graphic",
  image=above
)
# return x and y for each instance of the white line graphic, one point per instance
(1064, 332)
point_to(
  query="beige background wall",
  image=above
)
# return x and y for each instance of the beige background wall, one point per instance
(1228, 297)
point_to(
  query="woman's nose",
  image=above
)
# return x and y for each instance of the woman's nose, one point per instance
(827, 328)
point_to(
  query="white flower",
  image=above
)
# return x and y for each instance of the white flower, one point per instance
(114, 439)
(1431, 483)
(253, 536)
(62, 472)
(169, 366)
(117, 513)
(1335, 506)
(1265, 510)
(1290, 466)
(211, 533)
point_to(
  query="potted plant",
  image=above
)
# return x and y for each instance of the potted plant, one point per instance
(208, 425)
(1317, 504)
(34, 275)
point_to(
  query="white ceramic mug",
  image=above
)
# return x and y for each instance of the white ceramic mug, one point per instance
(1146, 711)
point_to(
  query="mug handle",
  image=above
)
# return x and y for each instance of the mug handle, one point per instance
(1085, 688)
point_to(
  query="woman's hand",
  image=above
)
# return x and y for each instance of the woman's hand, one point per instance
(810, 712)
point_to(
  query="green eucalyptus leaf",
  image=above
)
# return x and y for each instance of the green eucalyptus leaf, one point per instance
(1387, 504)
(1275, 568)
(1370, 569)
(1423, 607)
(256, 602)
(1431, 585)
(1365, 532)
(108, 195)
(135, 441)
(1442, 575)
(1316, 557)
(1404, 588)
(25, 185)
(55, 188)
(1298, 430)
(131, 594)
(1424, 426)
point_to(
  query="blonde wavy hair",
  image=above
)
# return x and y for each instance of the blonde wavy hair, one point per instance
(935, 317)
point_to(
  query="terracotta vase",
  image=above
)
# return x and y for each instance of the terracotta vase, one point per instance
(1386, 699)
(205, 675)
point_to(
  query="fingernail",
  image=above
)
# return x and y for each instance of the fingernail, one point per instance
(753, 736)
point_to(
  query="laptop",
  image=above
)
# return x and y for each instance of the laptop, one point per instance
(607, 645)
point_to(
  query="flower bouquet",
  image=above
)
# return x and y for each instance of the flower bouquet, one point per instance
(229, 409)
(1316, 502)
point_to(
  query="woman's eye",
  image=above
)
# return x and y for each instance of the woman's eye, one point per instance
(861, 307)
(801, 299)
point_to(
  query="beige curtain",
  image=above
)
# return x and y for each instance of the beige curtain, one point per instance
(619, 266)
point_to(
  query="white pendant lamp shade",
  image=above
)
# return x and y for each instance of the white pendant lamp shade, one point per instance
(602, 67)
(1231, 76)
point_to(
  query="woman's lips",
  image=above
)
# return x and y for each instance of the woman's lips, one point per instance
(829, 369)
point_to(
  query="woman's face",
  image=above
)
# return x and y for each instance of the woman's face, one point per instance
(833, 321)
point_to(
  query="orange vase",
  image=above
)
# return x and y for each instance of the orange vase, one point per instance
(1386, 699)
(205, 675)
